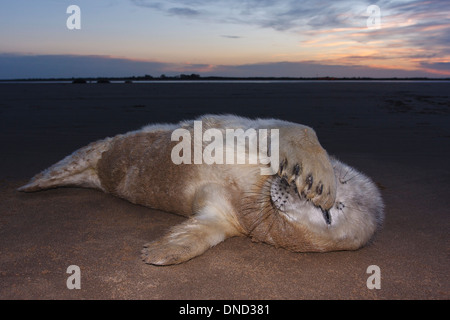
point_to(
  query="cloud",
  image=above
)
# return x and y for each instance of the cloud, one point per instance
(16, 66)
(172, 8)
(230, 36)
(312, 69)
(305, 15)
(411, 33)
(276, 14)
(186, 12)
(19, 66)
(438, 66)
(416, 23)
(147, 4)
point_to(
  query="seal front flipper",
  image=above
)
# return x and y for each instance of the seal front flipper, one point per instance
(213, 221)
(304, 162)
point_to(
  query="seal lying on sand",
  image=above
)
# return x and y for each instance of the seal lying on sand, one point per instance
(312, 203)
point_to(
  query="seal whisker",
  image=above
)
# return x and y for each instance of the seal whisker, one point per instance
(262, 216)
(352, 208)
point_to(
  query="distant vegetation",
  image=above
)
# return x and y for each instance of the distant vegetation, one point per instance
(103, 81)
(79, 81)
(194, 77)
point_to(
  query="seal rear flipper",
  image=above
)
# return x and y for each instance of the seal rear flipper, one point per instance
(77, 169)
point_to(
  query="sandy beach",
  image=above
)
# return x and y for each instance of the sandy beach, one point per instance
(398, 133)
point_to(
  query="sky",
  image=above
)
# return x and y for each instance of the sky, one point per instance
(265, 38)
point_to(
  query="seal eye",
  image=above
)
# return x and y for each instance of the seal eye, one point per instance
(326, 216)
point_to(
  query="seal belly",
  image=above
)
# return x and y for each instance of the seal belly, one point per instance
(137, 167)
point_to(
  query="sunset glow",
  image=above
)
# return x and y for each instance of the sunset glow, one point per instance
(223, 38)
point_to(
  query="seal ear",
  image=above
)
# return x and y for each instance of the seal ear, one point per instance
(211, 224)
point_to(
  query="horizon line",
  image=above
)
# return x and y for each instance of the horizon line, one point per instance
(196, 77)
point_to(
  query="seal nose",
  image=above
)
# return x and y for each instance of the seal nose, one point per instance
(326, 216)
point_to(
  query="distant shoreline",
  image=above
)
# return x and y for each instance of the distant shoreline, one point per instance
(198, 78)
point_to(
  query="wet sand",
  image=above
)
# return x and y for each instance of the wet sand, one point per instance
(397, 133)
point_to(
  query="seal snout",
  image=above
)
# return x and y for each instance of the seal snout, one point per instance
(279, 193)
